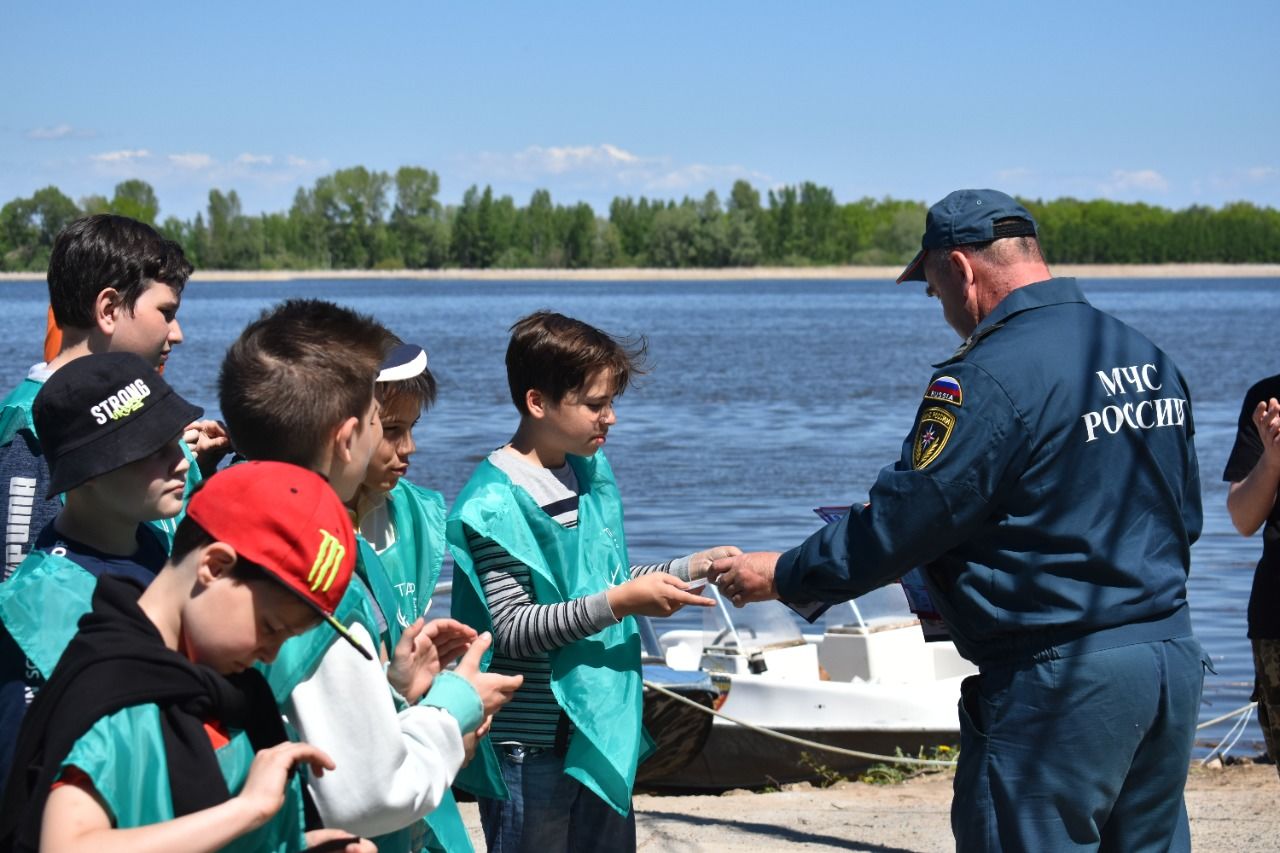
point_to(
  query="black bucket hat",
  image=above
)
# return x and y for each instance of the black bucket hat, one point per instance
(101, 412)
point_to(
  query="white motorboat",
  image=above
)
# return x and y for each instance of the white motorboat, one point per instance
(869, 682)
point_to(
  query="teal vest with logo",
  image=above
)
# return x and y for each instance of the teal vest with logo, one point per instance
(413, 561)
(403, 578)
(123, 755)
(596, 680)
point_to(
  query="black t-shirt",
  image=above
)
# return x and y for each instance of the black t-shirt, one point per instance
(1264, 600)
(143, 565)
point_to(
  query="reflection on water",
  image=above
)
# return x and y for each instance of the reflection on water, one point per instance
(765, 399)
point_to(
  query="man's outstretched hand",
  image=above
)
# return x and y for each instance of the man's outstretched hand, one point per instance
(746, 577)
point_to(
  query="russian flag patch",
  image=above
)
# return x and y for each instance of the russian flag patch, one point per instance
(945, 389)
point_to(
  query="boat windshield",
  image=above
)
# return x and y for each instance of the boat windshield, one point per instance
(771, 623)
(885, 605)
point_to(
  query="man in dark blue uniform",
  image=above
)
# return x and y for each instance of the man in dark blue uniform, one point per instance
(1051, 490)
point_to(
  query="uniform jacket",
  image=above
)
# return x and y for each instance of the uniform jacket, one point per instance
(1049, 485)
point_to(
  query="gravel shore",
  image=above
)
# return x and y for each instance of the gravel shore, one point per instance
(1233, 810)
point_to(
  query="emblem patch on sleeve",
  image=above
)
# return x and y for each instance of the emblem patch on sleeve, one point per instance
(945, 389)
(932, 433)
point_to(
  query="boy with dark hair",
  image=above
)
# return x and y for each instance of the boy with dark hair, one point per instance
(144, 737)
(299, 376)
(115, 286)
(298, 385)
(111, 431)
(542, 561)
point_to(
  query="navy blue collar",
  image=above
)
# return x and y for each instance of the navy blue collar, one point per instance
(1053, 291)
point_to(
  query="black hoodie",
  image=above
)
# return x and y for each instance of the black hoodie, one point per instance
(119, 660)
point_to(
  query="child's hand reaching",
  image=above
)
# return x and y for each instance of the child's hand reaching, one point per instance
(654, 594)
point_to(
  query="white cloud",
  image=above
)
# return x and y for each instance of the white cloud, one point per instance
(603, 166)
(561, 160)
(303, 163)
(124, 156)
(1015, 175)
(194, 173)
(194, 162)
(59, 131)
(1148, 180)
(1239, 183)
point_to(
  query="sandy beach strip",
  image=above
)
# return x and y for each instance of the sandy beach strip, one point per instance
(1233, 810)
(838, 273)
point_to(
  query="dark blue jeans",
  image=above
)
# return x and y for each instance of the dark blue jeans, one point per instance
(1079, 753)
(549, 812)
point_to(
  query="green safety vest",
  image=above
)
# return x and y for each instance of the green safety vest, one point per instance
(413, 561)
(124, 756)
(41, 605)
(403, 578)
(596, 680)
(15, 410)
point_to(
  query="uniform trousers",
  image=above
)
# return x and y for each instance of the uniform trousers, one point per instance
(1084, 752)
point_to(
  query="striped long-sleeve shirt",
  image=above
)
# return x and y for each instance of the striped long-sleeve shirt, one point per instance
(524, 630)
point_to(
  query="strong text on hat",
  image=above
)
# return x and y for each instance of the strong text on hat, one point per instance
(121, 404)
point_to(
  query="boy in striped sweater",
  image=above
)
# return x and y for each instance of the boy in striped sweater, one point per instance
(538, 540)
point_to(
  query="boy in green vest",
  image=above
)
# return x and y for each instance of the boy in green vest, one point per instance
(111, 430)
(298, 386)
(115, 285)
(542, 562)
(145, 736)
(400, 528)
(402, 522)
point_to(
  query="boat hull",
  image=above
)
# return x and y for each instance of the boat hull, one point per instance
(734, 757)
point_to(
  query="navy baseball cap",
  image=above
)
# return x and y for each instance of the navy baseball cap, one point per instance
(969, 216)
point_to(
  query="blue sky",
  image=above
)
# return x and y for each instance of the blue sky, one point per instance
(1171, 103)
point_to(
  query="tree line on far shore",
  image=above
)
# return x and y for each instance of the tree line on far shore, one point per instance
(361, 219)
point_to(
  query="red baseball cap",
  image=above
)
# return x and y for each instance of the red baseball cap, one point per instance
(289, 521)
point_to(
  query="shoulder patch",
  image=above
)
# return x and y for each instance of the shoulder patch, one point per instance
(945, 389)
(932, 432)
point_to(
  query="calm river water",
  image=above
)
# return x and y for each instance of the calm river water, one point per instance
(765, 399)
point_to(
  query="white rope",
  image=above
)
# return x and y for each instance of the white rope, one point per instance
(1227, 716)
(1233, 736)
(1237, 729)
(889, 759)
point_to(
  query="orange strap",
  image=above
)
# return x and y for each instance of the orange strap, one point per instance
(52, 338)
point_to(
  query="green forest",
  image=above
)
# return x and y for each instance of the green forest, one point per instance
(361, 219)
